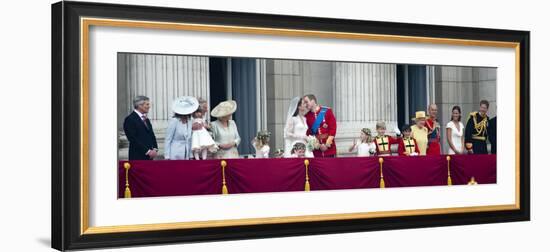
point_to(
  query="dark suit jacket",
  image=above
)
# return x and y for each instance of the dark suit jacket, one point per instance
(141, 138)
(492, 132)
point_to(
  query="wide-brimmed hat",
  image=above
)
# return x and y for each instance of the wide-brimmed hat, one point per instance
(420, 115)
(185, 105)
(224, 109)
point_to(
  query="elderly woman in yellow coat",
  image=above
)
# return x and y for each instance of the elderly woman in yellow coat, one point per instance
(419, 132)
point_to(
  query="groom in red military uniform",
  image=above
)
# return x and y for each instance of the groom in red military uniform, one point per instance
(321, 124)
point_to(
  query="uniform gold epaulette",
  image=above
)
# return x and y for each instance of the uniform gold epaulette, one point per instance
(473, 113)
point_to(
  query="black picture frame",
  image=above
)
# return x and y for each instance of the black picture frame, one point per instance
(66, 135)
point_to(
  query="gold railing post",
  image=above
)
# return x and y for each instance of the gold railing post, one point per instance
(449, 180)
(382, 183)
(224, 186)
(127, 192)
(306, 163)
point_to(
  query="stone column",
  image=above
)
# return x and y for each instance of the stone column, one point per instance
(364, 94)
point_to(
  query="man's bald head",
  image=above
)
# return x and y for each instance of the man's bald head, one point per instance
(432, 110)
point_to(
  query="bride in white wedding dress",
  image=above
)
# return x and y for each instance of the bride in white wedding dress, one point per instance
(296, 126)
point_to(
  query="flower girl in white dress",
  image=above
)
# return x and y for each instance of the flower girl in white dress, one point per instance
(366, 147)
(261, 144)
(201, 141)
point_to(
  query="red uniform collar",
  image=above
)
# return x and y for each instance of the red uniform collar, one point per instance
(319, 107)
(430, 123)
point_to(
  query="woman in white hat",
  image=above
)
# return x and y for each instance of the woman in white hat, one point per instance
(420, 132)
(177, 144)
(224, 130)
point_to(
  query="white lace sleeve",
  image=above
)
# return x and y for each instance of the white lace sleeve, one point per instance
(289, 129)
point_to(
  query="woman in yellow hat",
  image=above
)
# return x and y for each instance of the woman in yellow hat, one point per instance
(420, 132)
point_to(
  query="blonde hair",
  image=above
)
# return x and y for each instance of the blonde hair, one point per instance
(367, 132)
(380, 125)
(261, 139)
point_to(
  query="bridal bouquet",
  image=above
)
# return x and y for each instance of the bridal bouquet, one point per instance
(312, 143)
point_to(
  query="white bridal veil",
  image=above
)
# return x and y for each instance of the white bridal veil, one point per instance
(291, 109)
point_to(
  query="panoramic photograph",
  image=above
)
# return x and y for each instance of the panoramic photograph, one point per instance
(193, 125)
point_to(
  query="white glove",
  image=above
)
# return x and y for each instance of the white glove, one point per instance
(397, 131)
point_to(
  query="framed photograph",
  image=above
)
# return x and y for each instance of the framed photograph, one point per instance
(183, 125)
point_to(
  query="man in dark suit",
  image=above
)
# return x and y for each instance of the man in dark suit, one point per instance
(139, 131)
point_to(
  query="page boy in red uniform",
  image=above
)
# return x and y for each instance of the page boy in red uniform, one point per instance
(407, 145)
(382, 141)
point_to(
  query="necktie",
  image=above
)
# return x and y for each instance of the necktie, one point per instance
(144, 119)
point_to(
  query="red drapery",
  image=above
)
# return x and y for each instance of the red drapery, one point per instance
(265, 175)
(464, 168)
(171, 178)
(189, 177)
(343, 173)
(415, 171)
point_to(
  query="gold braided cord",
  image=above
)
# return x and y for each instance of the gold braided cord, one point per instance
(127, 192)
(480, 127)
(224, 186)
(382, 182)
(307, 186)
(449, 180)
